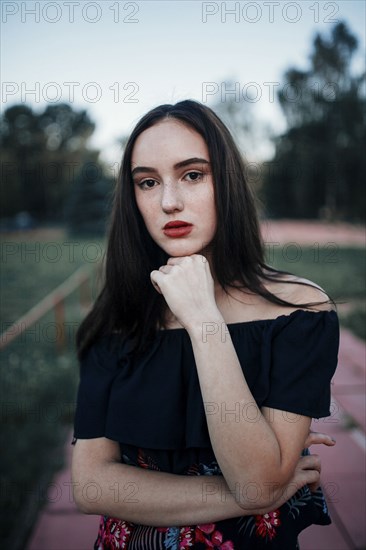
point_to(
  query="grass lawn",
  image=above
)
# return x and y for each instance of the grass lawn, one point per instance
(341, 272)
(32, 269)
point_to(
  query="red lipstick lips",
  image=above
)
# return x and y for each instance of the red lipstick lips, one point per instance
(177, 229)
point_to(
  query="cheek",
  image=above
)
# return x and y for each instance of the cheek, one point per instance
(147, 212)
(209, 200)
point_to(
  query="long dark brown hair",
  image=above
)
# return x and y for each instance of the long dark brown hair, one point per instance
(128, 303)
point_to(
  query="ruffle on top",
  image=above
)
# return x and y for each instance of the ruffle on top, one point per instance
(156, 402)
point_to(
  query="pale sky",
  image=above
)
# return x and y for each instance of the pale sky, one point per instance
(119, 59)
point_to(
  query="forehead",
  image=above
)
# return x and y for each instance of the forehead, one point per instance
(168, 139)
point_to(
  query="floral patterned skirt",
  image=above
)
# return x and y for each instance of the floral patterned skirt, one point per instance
(277, 530)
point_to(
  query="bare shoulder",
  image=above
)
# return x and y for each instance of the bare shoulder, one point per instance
(299, 290)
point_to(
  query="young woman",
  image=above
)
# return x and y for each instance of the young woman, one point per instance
(201, 366)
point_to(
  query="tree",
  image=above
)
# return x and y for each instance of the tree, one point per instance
(88, 204)
(319, 166)
(237, 110)
(40, 154)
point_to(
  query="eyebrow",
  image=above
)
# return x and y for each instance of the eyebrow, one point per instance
(181, 164)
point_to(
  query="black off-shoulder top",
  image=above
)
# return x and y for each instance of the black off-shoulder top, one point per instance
(153, 407)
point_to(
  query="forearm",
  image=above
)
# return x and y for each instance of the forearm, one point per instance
(154, 498)
(103, 485)
(243, 441)
(162, 499)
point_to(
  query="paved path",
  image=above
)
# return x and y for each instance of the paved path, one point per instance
(61, 527)
(311, 232)
(344, 475)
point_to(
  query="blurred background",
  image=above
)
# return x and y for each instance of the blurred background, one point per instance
(288, 78)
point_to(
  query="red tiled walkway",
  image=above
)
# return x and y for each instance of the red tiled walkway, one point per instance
(344, 475)
(61, 527)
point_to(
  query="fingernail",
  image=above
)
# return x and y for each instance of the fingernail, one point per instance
(334, 441)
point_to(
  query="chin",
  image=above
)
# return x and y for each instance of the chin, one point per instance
(176, 249)
(182, 252)
(184, 247)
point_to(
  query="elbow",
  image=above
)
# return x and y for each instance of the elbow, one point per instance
(264, 500)
(261, 502)
(262, 497)
(91, 461)
(85, 490)
(84, 505)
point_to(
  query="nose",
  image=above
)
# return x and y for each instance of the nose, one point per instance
(171, 200)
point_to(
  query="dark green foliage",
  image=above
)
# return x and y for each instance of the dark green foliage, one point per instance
(88, 204)
(37, 398)
(319, 168)
(41, 153)
(355, 321)
(38, 381)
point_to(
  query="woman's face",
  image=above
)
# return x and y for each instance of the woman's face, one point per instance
(173, 185)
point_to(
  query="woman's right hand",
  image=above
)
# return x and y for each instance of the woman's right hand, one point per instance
(307, 471)
(317, 438)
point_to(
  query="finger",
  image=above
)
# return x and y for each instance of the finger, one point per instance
(313, 479)
(312, 433)
(317, 438)
(165, 268)
(176, 260)
(310, 477)
(310, 462)
(307, 477)
(155, 276)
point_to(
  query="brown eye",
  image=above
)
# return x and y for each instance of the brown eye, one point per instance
(147, 184)
(194, 176)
